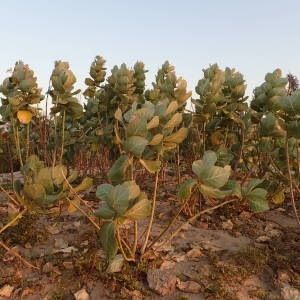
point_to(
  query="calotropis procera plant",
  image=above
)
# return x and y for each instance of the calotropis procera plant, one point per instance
(144, 133)
(221, 112)
(21, 94)
(66, 105)
(122, 89)
(214, 182)
(278, 117)
(44, 186)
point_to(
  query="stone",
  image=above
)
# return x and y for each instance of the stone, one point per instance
(6, 290)
(227, 225)
(48, 268)
(188, 286)
(99, 291)
(263, 239)
(82, 295)
(289, 293)
(60, 243)
(162, 282)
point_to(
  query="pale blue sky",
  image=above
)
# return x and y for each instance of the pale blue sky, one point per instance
(255, 37)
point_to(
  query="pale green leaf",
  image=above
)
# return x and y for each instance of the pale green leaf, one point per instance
(151, 166)
(186, 188)
(136, 145)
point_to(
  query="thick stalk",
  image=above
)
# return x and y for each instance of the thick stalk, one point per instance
(290, 178)
(152, 213)
(27, 140)
(63, 136)
(17, 141)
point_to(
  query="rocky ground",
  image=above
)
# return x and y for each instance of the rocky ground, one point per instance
(230, 253)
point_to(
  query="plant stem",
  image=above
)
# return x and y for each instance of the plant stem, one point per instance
(170, 223)
(18, 256)
(121, 247)
(135, 237)
(27, 140)
(290, 178)
(17, 140)
(194, 218)
(152, 213)
(85, 214)
(17, 217)
(63, 136)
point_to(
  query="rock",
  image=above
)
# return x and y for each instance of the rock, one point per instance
(68, 265)
(116, 264)
(274, 233)
(289, 293)
(52, 229)
(227, 225)
(60, 243)
(283, 276)
(263, 239)
(48, 268)
(99, 291)
(82, 295)
(167, 265)
(188, 286)
(6, 290)
(162, 282)
(195, 254)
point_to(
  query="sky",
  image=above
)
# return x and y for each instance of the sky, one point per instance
(254, 37)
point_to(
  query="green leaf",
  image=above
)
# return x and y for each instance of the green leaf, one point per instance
(198, 166)
(151, 166)
(133, 189)
(84, 185)
(278, 197)
(137, 127)
(117, 173)
(35, 192)
(120, 197)
(136, 145)
(108, 239)
(235, 188)
(177, 137)
(257, 200)
(291, 104)
(270, 126)
(139, 210)
(104, 212)
(103, 190)
(214, 176)
(186, 188)
(59, 173)
(293, 129)
(213, 192)
(210, 158)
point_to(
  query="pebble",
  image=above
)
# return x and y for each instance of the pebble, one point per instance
(6, 290)
(82, 295)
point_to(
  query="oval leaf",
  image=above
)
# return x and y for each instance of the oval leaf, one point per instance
(186, 188)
